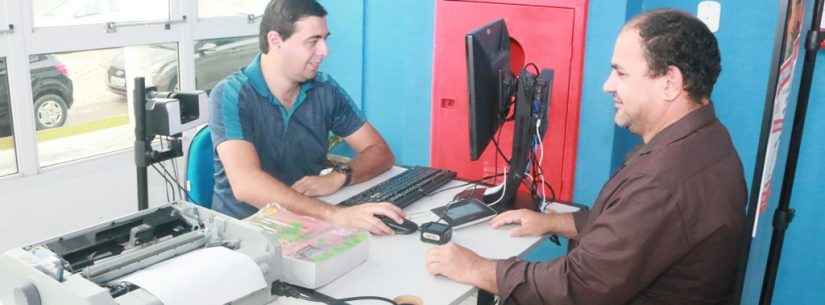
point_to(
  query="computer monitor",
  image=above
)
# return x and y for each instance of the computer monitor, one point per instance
(488, 71)
(492, 90)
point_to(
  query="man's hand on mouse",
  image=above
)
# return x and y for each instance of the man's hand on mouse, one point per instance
(362, 216)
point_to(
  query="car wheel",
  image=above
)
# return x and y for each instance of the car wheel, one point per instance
(50, 111)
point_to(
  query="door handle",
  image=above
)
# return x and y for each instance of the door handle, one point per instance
(447, 103)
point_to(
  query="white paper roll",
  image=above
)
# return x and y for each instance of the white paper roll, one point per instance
(210, 276)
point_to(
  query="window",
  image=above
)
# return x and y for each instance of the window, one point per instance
(8, 162)
(215, 8)
(83, 109)
(80, 99)
(74, 12)
(217, 58)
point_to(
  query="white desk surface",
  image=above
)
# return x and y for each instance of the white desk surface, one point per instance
(396, 263)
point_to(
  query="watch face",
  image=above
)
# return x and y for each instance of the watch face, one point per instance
(344, 168)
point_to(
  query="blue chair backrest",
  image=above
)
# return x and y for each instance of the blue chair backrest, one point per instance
(200, 168)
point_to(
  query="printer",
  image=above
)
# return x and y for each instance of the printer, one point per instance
(87, 267)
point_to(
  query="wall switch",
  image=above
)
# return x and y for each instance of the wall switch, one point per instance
(708, 12)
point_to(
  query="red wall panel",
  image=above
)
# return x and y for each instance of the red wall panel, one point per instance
(551, 34)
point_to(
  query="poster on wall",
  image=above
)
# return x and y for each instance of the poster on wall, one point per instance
(789, 58)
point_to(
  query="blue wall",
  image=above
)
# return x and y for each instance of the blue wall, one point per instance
(593, 161)
(381, 53)
(398, 75)
(345, 20)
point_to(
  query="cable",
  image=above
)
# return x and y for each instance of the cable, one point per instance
(168, 188)
(541, 159)
(185, 191)
(288, 290)
(552, 191)
(175, 170)
(473, 182)
(169, 180)
(368, 298)
(545, 183)
(503, 190)
(536, 68)
(177, 176)
(500, 153)
(495, 160)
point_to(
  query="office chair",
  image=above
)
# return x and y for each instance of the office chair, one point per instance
(200, 168)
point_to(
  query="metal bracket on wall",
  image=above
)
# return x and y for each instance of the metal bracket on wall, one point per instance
(111, 27)
(814, 40)
(9, 30)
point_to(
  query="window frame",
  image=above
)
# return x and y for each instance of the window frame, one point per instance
(184, 29)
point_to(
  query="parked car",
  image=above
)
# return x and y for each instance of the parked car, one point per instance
(214, 60)
(52, 91)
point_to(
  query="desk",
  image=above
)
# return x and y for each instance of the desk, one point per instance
(396, 263)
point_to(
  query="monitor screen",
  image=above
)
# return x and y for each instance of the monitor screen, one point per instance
(488, 66)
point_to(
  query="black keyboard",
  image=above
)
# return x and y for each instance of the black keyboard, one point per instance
(405, 188)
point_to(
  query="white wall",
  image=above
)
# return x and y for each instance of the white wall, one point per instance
(71, 197)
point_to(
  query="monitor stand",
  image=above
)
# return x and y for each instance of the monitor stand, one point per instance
(530, 116)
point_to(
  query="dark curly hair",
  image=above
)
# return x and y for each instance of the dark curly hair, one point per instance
(674, 38)
(280, 16)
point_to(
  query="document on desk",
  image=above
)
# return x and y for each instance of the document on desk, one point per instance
(210, 276)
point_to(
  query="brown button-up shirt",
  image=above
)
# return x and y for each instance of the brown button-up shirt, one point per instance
(667, 228)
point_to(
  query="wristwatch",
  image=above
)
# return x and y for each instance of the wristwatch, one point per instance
(346, 170)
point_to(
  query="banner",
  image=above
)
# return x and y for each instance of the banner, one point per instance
(790, 56)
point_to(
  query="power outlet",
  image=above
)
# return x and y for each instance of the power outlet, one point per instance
(709, 12)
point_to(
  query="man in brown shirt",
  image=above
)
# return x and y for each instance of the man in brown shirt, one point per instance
(667, 228)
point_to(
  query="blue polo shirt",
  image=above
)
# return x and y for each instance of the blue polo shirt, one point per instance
(291, 143)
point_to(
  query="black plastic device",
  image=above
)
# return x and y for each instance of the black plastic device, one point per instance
(464, 212)
(407, 227)
(436, 233)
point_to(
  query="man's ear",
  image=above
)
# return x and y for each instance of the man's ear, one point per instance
(675, 84)
(274, 40)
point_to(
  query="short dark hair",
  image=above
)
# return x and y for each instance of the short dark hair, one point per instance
(674, 38)
(280, 16)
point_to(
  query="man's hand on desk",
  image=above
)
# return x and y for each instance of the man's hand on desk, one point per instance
(532, 223)
(323, 185)
(462, 265)
(362, 216)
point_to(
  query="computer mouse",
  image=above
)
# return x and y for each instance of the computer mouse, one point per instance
(408, 227)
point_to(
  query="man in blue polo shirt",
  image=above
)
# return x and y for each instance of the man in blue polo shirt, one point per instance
(270, 123)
